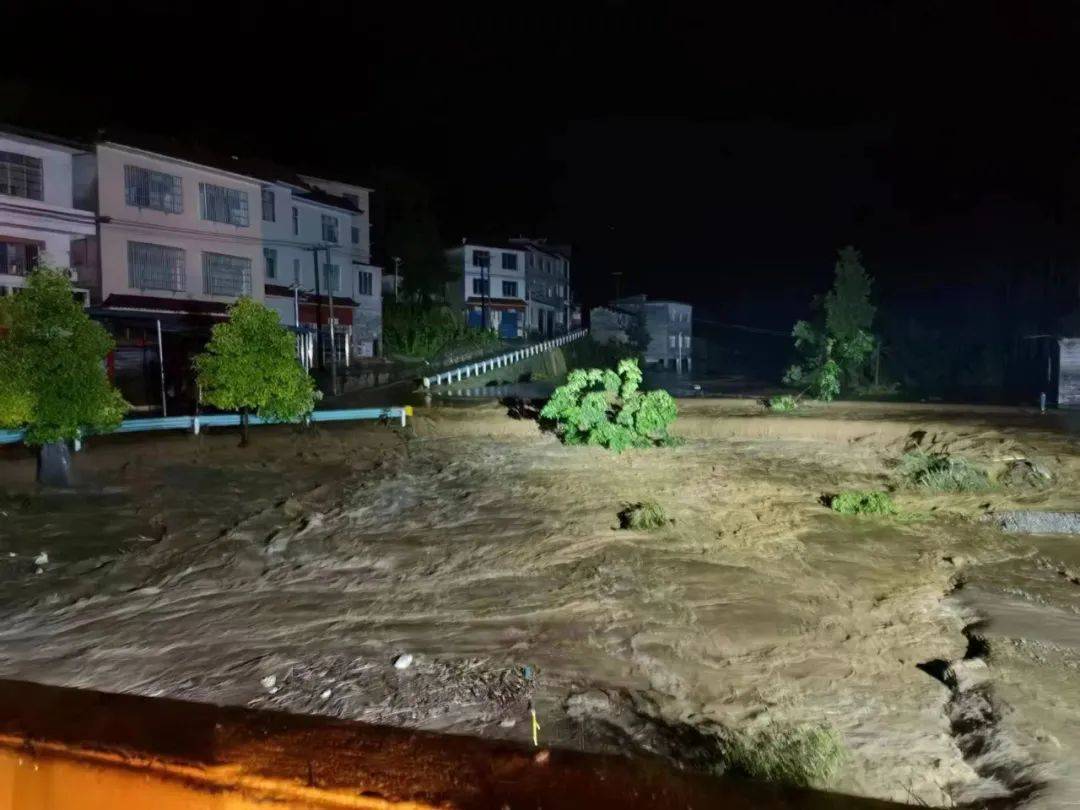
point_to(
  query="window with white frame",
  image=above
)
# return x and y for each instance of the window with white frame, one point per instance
(509, 289)
(332, 274)
(221, 204)
(329, 228)
(269, 214)
(481, 258)
(270, 255)
(355, 235)
(156, 267)
(158, 191)
(226, 275)
(480, 286)
(295, 221)
(363, 282)
(509, 261)
(21, 176)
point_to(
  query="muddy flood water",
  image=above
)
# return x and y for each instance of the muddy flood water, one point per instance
(292, 574)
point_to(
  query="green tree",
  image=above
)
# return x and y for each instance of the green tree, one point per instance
(250, 365)
(53, 382)
(411, 234)
(835, 348)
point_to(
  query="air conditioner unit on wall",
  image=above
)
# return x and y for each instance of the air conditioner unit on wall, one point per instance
(72, 274)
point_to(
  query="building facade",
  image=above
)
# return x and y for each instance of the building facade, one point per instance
(669, 325)
(491, 287)
(39, 219)
(547, 281)
(317, 258)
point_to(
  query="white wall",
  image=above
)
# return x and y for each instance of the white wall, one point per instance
(187, 230)
(51, 222)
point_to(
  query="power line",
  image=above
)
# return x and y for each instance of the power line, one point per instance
(755, 329)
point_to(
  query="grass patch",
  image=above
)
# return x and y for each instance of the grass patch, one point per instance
(647, 516)
(939, 472)
(783, 404)
(794, 755)
(859, 502)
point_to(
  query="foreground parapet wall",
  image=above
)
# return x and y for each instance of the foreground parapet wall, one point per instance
(68, 749)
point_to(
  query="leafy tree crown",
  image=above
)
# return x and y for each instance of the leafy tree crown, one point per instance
(53, 381)
(250, 363)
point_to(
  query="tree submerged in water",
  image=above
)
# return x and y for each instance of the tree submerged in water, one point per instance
(250, 366)
(835, 352)
(604, 407)
(53, 381)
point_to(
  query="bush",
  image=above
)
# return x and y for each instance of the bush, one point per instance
(939, 472)
(794, 755)
(647, 515)
(783, 404)
(856, 502)
(604, 407)
(425, 331)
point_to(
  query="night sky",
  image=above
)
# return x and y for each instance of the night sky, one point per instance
(715, 156)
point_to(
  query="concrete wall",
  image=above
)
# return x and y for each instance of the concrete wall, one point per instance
(52, 222)
(185, 230)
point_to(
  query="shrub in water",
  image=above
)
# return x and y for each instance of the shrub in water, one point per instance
(856, 502)
(942, 473)
(646, 515)
(783, 404)
(794, 755)
(605, 408)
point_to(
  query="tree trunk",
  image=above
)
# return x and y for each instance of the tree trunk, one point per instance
(54, 465)
(243, 427)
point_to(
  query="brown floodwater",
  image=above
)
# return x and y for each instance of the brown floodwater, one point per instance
(186, 568)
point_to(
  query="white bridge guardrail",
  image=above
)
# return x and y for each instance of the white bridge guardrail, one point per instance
(465, 370)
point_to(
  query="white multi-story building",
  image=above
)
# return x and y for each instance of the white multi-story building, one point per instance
(175, 237)
(668, 323)
(547, 283)
(311, 223)
(39, 219)
(491, 285)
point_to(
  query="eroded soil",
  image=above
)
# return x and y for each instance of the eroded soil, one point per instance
(291, 574)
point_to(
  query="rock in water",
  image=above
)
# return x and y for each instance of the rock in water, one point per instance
(403, 661)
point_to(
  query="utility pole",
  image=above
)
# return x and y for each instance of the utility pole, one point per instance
(318, 310)
(397, 266)
(485, 262)
(618, 275)
(333, 325)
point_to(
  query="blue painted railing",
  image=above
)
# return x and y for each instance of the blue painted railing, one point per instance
(196, 423)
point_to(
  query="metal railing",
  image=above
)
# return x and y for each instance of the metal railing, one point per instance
(483, 366)
(194, 424)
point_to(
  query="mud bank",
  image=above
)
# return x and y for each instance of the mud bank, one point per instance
(492, 555)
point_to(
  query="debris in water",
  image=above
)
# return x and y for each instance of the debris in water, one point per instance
(403, 661)
(325, 695)
(42, 558)
(269, 682)
(40, 571)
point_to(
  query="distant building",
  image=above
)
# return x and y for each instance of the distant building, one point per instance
(39, 218)
(490, 290)
(669, 325)
(547, 284)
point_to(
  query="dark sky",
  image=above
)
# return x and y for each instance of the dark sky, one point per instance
(708, 154)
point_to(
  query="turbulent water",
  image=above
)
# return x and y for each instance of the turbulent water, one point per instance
(940, 649)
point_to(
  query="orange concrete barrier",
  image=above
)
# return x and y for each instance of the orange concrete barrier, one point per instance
(70, 749)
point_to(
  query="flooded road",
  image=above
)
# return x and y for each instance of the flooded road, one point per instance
(292, 575)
